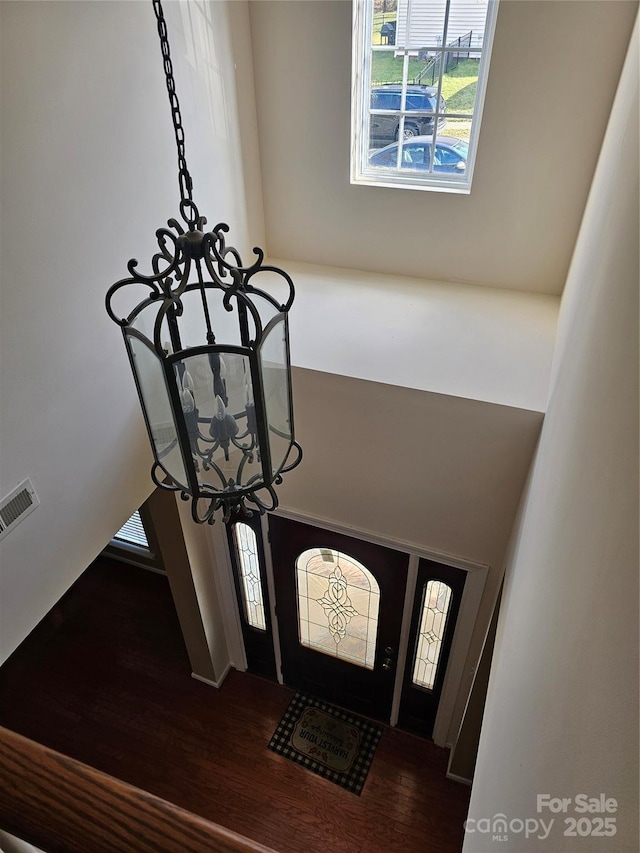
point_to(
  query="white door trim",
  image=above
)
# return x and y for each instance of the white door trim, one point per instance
(229, 605)
(403, 642)
(467, 615)
(271, 588)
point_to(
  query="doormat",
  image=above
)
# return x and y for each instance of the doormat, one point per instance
(328, 741)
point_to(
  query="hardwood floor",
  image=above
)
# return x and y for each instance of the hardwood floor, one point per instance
(105, 678)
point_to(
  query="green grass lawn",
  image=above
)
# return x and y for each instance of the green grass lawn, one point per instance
(387, 68)
(458, 86)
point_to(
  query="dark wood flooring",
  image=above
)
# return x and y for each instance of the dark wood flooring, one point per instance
(105, 678)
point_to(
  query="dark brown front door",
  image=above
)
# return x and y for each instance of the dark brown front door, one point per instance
(339, 603)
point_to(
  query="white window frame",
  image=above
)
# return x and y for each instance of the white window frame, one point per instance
(361, 172)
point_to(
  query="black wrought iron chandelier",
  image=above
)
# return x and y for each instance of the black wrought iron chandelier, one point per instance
(209, 352)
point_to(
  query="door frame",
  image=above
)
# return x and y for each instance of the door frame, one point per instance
(469, 606)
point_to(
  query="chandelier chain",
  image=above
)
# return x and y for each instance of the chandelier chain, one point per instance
(184, 178)
(227, 456)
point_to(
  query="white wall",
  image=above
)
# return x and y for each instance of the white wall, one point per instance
(562, 710)
(484, 343)
(553, 74)
(439, 471)
(88, 175)
(204, 571)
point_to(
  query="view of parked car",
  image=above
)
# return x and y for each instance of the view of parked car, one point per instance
(450, 154)
(420, 100)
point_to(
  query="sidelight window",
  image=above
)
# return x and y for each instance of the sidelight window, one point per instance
(436, 600)
(338, 600)
(250, 583)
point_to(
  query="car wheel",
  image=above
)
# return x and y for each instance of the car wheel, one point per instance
(410, 130)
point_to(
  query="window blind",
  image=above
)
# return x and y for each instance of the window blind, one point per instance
(132, 532)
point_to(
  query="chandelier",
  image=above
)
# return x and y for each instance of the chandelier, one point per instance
(209, 350)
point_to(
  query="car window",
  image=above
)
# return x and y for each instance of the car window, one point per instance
(446, 156)
(385, 100)
(462, 147)
(385, 158)
(415, 154)
(420, 102)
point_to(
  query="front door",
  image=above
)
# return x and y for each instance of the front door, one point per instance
(339, 603)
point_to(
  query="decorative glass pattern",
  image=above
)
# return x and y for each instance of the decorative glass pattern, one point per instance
(436, 599)
(338, 602)
(247, 551)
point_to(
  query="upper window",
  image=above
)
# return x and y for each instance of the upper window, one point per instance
(420, 69)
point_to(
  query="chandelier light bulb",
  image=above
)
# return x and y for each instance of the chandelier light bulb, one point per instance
(187, 381)
(188, 402)
(221, 411)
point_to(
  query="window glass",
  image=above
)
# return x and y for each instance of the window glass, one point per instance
(250, 576)
(414, 155)
(436, 600)
(425, 62)
(386, 158)
(132, 531)
(446, 155)
(338, 600)
(385, 100)
(420, 102)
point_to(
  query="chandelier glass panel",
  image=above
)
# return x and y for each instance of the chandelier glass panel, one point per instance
(209, 350)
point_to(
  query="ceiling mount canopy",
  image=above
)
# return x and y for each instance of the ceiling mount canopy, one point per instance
(209, 350)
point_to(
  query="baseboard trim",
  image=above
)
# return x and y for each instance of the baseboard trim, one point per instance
(211, 683)
(460, 779)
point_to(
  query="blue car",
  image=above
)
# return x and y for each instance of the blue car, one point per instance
(450, 155)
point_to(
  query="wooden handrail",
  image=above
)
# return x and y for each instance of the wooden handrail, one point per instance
(57, 803)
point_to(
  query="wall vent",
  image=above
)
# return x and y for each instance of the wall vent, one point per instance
(16, 506)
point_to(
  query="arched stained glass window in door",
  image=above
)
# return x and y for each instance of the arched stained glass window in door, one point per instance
(338, 601)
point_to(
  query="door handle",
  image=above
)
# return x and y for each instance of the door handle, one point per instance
(387, 663)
